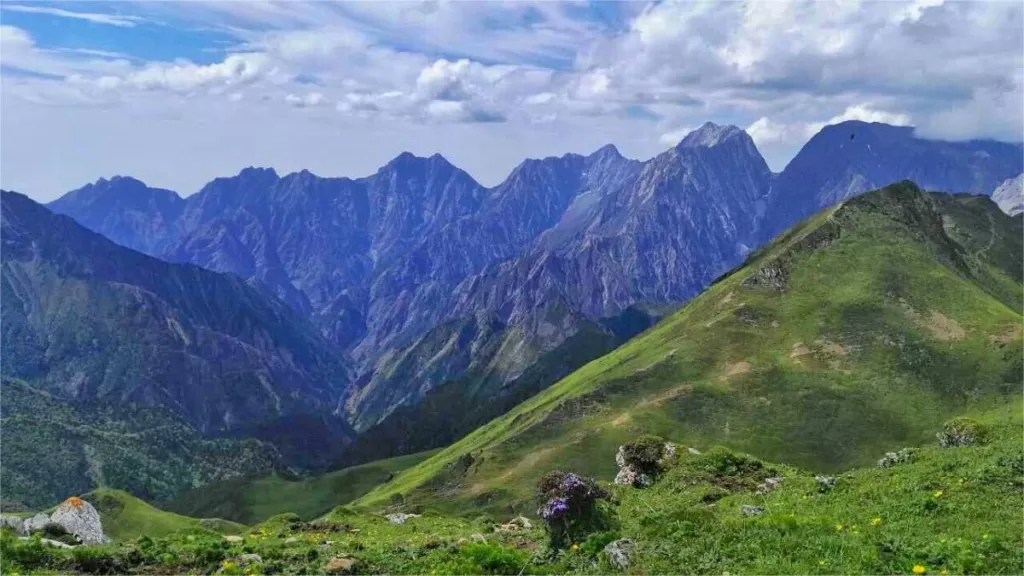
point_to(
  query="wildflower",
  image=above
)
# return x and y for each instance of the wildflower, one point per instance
(876, 522)
(984, 536)
(821, 562)
(839, 527)
(937, 494)
(575, 547)
(918, 569)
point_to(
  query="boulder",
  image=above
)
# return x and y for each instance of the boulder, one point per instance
(961, 432)
(80, 518)
(233, 539)
(620, 553)
(14, 523)
(693, 451)
(341, 565)
(36, 523)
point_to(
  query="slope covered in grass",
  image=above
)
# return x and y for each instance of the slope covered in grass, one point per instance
(859, 331)
(125, 517)
(942, 511)
(251, 500)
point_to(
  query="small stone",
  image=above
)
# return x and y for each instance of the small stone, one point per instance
(522, 521)
(14, 523)
(620, 553)
(400, 517)
(768, 485)
(246, 559)
(693, 451)
(233, 539)
(291, 540)
(748, 510)
(341, 565)
(825, 483)
(462, 541)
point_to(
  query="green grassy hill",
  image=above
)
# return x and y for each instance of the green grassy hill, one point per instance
(125, 517)
(945, 511)
(857, 332)
(251, 500)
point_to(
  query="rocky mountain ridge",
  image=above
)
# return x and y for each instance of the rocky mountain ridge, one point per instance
(383, 264)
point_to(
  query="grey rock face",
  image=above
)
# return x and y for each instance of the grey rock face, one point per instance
(81, 519)
(14, 523)
(1009, 196)
(37, 522)
(620, 553)
(825, 483)
(768, 485)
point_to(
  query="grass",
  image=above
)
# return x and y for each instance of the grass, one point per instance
(252, 500)
(125, 517)
(894, 318)
(946, 510)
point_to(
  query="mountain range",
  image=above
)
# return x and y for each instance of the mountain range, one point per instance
(265, 301)
(396, 267)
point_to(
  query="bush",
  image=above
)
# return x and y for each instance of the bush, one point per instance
(568, 505)
(962, 432)
(646, 454)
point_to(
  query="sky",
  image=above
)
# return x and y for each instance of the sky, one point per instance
(178, 93)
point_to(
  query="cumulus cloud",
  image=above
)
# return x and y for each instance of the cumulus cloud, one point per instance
(554, 76)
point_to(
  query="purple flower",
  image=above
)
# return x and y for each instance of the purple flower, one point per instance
(554, 508)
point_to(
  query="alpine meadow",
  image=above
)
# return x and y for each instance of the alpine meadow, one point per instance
(419, 287)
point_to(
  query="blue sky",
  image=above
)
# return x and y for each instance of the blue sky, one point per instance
(177, 93)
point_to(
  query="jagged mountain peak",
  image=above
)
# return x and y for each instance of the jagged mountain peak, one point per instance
(407, 160)
(257, 172)
(710, 134)
(606, 151)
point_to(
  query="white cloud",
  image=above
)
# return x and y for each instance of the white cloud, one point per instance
(95, 18)
(427, 72)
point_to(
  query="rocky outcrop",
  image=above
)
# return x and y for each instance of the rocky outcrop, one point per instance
(1009, 196)
(80, 518)
(14, 523)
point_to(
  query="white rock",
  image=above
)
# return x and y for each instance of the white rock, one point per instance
(80, 518)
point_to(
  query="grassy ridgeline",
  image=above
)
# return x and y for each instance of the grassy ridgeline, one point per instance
(858, 332)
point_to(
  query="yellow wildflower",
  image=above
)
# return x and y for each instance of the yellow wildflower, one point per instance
(876, 522)
(984, 536)
(839, 527)
(938, 493)
(918, 569)
(575, 547)
(821, 562)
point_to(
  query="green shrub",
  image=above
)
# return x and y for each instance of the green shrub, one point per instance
(962, 432)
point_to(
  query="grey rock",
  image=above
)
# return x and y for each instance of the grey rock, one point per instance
(400, 517)
(693, 451)
(291, 540)
(37, 522)
(748, 510)
(14, 523)
(247, 559)
(891, 459)
(80, 518)
(620, 553)
(769, 485)
(1009, 196)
